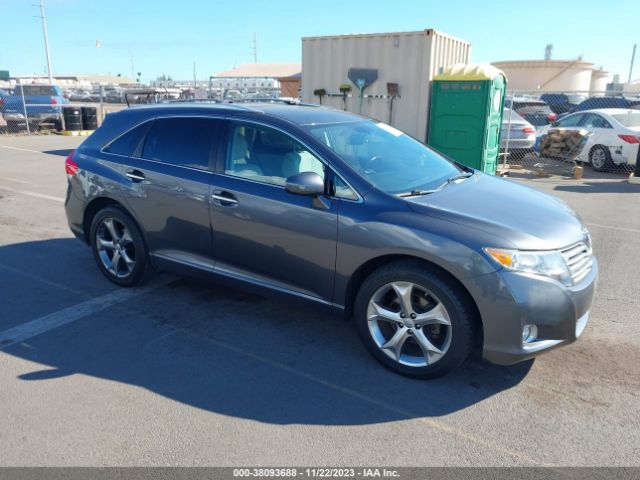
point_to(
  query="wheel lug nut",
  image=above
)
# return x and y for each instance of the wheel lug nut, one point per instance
(402, 315)
(413, 315)
(410, 332)
(418, 327)
(401, 325)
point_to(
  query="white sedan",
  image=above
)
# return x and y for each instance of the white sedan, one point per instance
(614, 139)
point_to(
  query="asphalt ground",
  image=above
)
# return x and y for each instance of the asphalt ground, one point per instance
(185, 372)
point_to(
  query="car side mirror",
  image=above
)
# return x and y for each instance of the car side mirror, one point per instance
(305, 183)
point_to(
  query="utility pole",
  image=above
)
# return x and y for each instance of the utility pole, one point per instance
(633, 57)
(131, 62)
(195, 82)
(46, 42)
(255, 48)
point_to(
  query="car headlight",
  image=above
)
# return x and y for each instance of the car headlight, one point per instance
(547, 263)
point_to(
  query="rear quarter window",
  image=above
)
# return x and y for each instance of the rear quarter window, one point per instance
(629, 119)
(130, 143)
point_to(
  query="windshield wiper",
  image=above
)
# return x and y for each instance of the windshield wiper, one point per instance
(459, 176)
(415, 193)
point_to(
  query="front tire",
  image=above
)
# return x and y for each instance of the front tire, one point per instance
(414, 321)
(118, 247)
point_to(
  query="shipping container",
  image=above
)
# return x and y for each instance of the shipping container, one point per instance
(408, 59)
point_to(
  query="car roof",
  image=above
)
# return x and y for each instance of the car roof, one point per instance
(300, 114)
(608, 111)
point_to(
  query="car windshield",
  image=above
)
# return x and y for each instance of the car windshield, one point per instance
(629, 119)
(389, 159)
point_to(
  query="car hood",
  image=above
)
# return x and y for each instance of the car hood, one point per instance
(519, 216)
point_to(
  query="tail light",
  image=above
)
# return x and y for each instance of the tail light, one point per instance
(630, 138)
(70, 165)
(552, 117)
(528, 130)
(54, 101)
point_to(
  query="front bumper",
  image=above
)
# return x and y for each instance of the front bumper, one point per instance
(560, 313)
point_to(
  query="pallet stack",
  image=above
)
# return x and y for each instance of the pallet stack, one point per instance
(561, 142)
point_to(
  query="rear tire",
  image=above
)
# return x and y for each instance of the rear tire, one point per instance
(401, 305)
(118, 247)
(600, 158)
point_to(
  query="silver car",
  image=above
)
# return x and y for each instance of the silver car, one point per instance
(517, 135)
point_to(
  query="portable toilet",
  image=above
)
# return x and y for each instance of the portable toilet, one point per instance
(466, 114)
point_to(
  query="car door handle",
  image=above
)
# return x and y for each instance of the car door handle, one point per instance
(224, 198)
(135, 176)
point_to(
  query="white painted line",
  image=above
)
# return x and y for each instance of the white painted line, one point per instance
(21, 149)
(32, 194)
(610, 227)
(27, 330)
(42, 280)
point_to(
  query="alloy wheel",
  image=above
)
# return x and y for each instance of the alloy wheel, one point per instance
(409, 324)
(598, 158)
(115, 247)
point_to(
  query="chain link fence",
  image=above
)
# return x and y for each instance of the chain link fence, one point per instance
(561, 132)
(40, 109)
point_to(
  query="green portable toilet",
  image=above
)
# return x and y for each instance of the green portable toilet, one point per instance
(466, 114)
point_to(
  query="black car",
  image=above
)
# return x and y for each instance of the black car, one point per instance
(536, 112)
(430, 258)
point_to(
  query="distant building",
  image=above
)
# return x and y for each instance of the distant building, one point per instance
(73, 81)
(269, 78)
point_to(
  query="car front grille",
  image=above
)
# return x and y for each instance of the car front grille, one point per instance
(579, 259)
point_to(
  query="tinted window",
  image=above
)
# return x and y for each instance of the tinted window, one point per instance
(591, 120)
(267, 155)
(181, 141)
(570, 121)
(130, 143)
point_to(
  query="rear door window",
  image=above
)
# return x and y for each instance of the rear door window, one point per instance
(570, 121)
(130, 143)
(182, 141)
(593, 120)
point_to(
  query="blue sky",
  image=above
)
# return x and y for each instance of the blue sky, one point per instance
(168, 36)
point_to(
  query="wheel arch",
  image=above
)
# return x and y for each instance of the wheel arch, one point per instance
(367, 268)
(98, 204)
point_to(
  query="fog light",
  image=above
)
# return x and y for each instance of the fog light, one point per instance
(529, 333)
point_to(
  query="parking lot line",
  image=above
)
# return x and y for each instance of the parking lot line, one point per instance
(442, 426)
(32, 194)
(42, 280)
(611, 227)
(21, 149)
(30, 329)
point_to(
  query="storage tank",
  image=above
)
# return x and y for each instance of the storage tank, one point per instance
(599, 80)
(403, 63)
(547, 75)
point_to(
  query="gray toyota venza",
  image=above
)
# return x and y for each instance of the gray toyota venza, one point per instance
(430, 258)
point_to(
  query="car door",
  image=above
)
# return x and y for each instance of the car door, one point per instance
(600, 130)
(169, 186)
(261, 232)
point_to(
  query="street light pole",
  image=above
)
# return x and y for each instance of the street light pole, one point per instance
(46, 42)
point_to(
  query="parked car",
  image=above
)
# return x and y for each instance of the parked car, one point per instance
(534, 111)
(520, 134)
(80, 96)
(3, 95)
(615, 134)
(43, 104)
(595, 103)
(427, 256)
(561, 103)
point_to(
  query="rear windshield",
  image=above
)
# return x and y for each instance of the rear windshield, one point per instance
(44, 90)
(629, 119)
